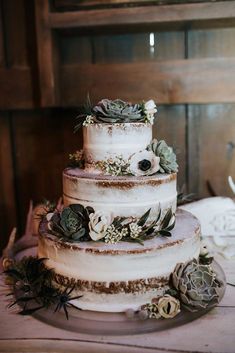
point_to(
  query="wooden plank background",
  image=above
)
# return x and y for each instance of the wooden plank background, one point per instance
(190, 73)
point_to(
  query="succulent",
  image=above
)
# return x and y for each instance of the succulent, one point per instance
(117, 111)
(167, 156)
(72, 222)
(197, 285)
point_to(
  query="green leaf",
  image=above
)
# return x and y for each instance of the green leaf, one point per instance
(117, 222)
(164, 233)
(169, 228)
(144, 218)
(166, 220)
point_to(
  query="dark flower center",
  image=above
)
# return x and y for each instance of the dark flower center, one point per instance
(144, 165)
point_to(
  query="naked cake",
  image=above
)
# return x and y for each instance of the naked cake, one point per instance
(119, 238)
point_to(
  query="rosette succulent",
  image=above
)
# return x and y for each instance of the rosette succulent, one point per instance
(197, 285)
(72, 222)
(117, 111)
(166, 154)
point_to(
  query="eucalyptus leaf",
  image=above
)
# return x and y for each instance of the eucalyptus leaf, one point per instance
(166, 220)
(144, 218)
(164, 233)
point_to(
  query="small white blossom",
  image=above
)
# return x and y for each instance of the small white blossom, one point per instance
(114, 166)
(114, 235)
(150, 110)
(135, 230)
(88, 121)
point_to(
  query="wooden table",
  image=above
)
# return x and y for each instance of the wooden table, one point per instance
(214, 332)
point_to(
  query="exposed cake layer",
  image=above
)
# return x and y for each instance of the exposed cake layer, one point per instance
(113, 277)
(104, 141)
(123, 196)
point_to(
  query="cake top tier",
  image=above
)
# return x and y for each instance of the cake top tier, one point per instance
(103, 142)
(117, 140)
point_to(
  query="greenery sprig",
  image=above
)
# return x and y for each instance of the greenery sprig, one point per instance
(145, 231)
(74, 224)
(32, 282)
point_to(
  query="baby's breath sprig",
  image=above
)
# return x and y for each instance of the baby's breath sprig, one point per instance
(114, 166)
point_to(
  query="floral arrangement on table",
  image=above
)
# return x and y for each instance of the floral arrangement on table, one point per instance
(193, 286)
(76, 223)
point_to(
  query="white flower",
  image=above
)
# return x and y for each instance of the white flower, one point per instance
(88, 121)
(150, 109)
(144, 163)
(99, 222)
(135, 230)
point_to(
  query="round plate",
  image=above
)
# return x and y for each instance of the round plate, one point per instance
(97, 323)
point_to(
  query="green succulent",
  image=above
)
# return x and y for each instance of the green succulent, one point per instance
(197, 285)
(117, 111)
(72, 222)
(167, 156)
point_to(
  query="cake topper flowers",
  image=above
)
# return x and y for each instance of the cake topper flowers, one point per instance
(116, 111)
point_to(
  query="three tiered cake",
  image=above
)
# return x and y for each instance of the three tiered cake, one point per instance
(119, 237)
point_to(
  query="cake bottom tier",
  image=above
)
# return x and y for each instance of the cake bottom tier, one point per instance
(117, 277)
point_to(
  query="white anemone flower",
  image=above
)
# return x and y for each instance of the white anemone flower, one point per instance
(144, 163)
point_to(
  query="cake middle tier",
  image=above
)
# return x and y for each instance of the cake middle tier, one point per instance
(122, 196)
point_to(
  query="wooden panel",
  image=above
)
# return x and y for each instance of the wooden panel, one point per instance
(150, 15)
(211, 128)
(75, 49)
(74, 4)
(7, 188)
(43, 140)
(216, 43)
(136, 47)
(2, 51)
(212, 157)
(15, 32)
(179, 81)
(47, 56)
(16, 88)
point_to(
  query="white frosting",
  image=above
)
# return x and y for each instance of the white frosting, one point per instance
(103, 141)
(123, 196)
(115, 302)
(123, 261)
